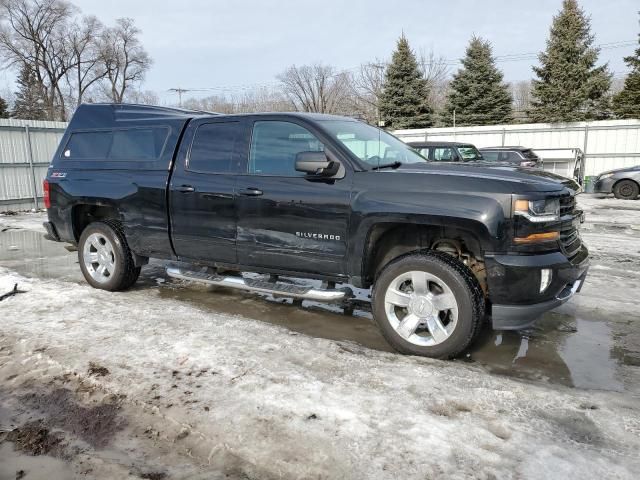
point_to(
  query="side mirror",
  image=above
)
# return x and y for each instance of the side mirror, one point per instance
(316, 163)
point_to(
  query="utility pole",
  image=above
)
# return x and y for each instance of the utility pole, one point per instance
(454, 124)
(179, 91)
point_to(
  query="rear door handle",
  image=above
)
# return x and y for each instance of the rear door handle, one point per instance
(251, 192)
(185, 189)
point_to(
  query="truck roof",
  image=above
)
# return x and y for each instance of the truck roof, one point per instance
(101, 115)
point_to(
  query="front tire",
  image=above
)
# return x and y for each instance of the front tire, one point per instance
(626, 190)
(428, 304)
(105, 258)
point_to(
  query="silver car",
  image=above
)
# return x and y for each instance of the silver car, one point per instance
(624, 183)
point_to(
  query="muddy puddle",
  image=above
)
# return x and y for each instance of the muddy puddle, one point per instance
(576, 350)
(30, 254)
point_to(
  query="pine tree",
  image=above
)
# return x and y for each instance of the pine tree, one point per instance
(404, 99)
(478, 96)
(29, 104)
(4, 108)
(569, 86)
(626, 104)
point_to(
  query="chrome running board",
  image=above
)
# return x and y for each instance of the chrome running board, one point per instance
(263, 286)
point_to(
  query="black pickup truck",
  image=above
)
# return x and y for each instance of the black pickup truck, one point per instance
(443, 246)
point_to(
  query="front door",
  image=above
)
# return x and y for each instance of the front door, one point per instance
(202, 191)
(286, 220)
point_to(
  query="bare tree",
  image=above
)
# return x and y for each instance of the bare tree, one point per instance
(35, 33)
(366, 87)
(315, 88)
(435, 70)
(521, 92)
(125, 59)
(143, 97)
(261, 99)
(211, 103)
(88, 69)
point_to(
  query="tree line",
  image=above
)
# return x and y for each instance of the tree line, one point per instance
(414, 90)
(64, 58)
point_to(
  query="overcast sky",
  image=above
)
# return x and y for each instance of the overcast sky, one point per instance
(216, 43)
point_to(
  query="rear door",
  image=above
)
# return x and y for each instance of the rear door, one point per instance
(286, 220)
(202, 190)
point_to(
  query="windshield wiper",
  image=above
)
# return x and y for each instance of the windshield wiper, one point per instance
(395, 164)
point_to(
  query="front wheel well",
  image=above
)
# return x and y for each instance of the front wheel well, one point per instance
(389, 241)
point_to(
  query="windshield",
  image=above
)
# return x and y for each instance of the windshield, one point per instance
(469, 153)
(371, 145)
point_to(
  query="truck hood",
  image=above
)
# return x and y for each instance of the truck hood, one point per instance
(512, 174)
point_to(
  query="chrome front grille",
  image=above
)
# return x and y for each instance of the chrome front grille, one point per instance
(570, 218)
(567, 205)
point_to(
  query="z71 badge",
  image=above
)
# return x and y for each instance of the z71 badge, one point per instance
(58, 175)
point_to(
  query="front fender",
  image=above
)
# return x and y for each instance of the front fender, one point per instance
(483, 216)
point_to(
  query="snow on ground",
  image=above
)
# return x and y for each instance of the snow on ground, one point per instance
(25, 220)
(281, 405)
(378, 415)
(611, 211)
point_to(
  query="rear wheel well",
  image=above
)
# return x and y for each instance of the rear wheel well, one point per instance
(83, 215)
(388, 241)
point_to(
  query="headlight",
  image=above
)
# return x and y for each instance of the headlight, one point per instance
(537, 211)
(605, 175)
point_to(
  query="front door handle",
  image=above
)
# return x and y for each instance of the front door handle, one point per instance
(251, 192)
(185, 189)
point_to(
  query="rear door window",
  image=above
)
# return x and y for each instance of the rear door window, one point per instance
(490, 156)
(213, 147)
(444, 154)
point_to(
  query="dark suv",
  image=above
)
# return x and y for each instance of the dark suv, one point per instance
(521, 156)
(447, 151)
(315, 197)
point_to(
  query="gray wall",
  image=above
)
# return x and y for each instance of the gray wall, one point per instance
(26, 148)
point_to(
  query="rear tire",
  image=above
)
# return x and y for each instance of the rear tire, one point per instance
(428, 304)
(105, 258)
(626, 190)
